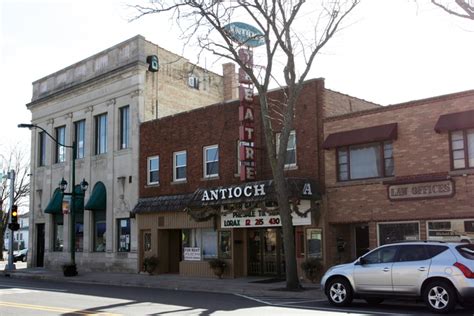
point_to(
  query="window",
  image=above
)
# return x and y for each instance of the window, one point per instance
(60, 150)
(79, 138)
(290, 158)
(391, 232)
(99, 231)
(124, 127)
(202, 242)
(314, 242)
(365, 161)
(154, 170)
(79, 230)
(462, 149)
(42, 149)
(58, 231)
(146, 241)
(382, 255)
(455, 230)
(412, 253)
(101, 134)
(225, 244)
(123, 235)
(179, 166)
(211, 161)
(193, 81)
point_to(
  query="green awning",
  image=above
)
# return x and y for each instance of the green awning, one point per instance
(55, 205)
(98, 199)
(79, 205)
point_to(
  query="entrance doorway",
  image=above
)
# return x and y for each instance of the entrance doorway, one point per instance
(265, 252)
(361, 239)
(40, 245)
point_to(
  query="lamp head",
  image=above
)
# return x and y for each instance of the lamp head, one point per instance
(84, 185)
(63, 185)
(24, 125)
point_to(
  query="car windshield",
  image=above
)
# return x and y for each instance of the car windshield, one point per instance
(467, 251)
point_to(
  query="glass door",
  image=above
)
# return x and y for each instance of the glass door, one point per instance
(265, 252)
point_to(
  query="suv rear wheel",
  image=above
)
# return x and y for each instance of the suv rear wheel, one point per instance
(440, 297)
(339, 292)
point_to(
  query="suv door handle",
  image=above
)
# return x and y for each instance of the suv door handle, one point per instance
(386, 269)
(421, 269)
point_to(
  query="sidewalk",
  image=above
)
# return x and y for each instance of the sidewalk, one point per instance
(243, 286)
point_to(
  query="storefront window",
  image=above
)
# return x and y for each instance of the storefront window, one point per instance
(225, 245)
(147, 242)
(99, 231)
(79, 237)
(123, 225)
(58, 232)
(458, 230)
(314, 242)
(391, 232)
(199, 243)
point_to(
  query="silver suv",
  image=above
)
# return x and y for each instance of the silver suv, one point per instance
(439, 273)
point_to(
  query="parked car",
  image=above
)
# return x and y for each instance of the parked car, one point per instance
(20, 255)
(439, 273)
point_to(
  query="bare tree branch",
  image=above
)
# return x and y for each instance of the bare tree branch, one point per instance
(462, 5)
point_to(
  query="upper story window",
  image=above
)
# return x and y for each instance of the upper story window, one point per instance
(365, 161)
(211, 161)
(79, 137)
(179, 166)
(462, 149)
(101, 134)
(290, 158)
(193, 81)
(153, 170)
(41, 149)
(61, 139)
(124, 127)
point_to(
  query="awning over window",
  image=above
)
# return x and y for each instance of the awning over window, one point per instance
(98, 198)
(55, 205)
(162, 203)
(362, 136)
(455, 121)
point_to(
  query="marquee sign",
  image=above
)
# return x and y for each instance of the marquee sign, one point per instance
(245, 34)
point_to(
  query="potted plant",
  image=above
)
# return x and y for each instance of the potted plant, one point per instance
(312, 268)
(69, 269)
(218, 266)
(150, 264)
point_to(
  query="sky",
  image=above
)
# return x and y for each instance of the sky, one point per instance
(390, 51)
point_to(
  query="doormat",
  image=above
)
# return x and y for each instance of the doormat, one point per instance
(272, 280)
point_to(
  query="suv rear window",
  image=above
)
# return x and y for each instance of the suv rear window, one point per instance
(467, 251)
(435, 250)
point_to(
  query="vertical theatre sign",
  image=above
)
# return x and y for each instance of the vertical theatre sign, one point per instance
(248, 36)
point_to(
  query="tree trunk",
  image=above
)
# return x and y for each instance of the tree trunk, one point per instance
(2, 240)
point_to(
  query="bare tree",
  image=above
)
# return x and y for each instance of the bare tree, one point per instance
(294, 32)
(460, 8)
(16, 159)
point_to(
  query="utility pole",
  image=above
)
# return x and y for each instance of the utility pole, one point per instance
(11, 177)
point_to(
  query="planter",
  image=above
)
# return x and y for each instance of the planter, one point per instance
(312, 268)
(219, 271)
(218, 267)
(69, 270)
(150, 264)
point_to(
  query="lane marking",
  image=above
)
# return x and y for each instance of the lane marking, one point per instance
(54, 309)
(6, 285)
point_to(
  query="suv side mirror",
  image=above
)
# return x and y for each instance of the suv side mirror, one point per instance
(362, 261)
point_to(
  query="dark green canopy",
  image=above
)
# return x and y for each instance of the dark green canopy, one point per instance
(55, 205)
(79, 205)
(98, 199)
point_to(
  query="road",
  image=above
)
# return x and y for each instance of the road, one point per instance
(37, 297)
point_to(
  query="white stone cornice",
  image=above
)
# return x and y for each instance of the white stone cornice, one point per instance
(136, 93)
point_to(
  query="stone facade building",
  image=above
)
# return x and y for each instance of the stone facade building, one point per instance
(99, 103)
(401, 172)
(193, 207)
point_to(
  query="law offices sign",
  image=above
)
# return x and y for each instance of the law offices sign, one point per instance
(421, 190)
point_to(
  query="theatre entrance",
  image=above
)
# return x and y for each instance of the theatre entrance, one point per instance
(265, 252)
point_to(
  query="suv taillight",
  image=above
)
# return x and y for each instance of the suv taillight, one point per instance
(465, 270)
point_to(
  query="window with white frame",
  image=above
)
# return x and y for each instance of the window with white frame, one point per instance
(61, 139)
(42, 149)
(462, 149)
(179, 165)
(374, 160)
(101, 134)
(211, 161)
(124, 127)
(290, 157)
(154, 170)
(202, 241)
(79, 138)
(399, 231)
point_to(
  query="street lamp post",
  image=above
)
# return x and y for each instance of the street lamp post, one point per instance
(71, 269)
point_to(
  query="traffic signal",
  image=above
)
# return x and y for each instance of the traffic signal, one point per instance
(14, 214)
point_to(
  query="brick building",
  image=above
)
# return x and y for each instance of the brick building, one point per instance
(401, 172)
(193, 205)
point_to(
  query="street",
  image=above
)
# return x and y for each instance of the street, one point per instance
(36, 297)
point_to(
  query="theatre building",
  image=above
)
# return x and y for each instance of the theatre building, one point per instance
(401, 172)
(193, 205)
